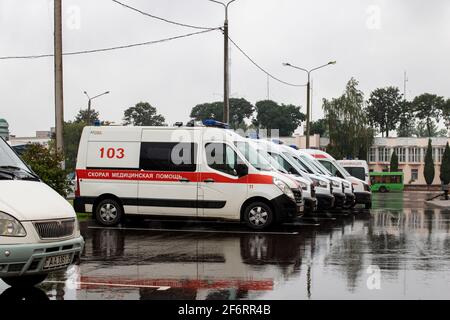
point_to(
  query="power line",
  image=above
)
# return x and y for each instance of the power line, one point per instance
(262, 69)
(161, 19)
(109, 48)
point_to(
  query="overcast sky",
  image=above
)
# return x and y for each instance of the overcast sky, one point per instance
(374, 41)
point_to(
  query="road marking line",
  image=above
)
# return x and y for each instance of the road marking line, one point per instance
(160, 288)
(194, 231)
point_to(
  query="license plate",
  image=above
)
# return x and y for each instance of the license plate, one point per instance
(56, 261)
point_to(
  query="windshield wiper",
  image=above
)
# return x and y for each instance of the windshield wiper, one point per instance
(7, 173)
(18, 169)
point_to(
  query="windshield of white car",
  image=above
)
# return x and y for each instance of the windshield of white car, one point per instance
(316, 165)
(341, 169)
(304, 166)
(272, 161)
(253, 156)
(12, 166)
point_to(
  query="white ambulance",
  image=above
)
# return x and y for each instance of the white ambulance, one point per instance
(361, 188)
(178, 171)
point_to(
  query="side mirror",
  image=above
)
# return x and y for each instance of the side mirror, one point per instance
(241, 170)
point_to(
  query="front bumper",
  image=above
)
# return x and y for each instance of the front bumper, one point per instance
(310, 204)
(28, 259)
(340, 199)
(350, 199)
(325, 201)
(286, 209)
(363, 197)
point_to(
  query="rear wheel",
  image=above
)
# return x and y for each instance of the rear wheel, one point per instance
(383, 189)
(108, 212)
(25, 281)
(258, 215)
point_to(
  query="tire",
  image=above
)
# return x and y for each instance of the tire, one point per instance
(108, 212)
(258, 216)
(368, 206)
(383, 189)
(25, 281)
(32, 294)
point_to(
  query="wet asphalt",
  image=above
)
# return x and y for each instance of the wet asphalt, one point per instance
(400, 249)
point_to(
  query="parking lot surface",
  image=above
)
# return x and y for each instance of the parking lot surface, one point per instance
(398, 250)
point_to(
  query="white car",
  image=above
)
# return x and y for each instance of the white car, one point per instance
(361, 188)
(39, 231)
(323, 190)
(180, 171)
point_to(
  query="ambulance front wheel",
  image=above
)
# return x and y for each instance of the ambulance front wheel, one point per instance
(258, 215)
(108, 212)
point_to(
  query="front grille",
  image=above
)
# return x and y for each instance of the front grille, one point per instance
(313, 191)
(298, 195)
(55, 229)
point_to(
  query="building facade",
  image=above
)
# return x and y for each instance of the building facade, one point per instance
(411, 156)
(4, 129)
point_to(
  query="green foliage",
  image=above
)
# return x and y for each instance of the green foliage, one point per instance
(429, 108)
(445, 166)
(240, 109)
(45, 162)
(384, 109)
(348, 126)
(319, 127)
(272, 116)
(143, 114)
(72, 135)
(424, 131)
(428, 171)
(406, 125)
(82, 116)
(394, 162)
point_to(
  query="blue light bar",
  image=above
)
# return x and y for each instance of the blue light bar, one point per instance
(215, 124)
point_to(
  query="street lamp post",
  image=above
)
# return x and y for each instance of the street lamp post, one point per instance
(89, 104)
(226, 83)
(308, 94)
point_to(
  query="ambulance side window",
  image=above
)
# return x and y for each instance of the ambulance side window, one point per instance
(221, 157)
(168, 156)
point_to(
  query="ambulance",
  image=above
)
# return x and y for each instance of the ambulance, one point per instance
(181, 171)
(362, 191)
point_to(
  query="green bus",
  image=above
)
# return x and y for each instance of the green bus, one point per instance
(386, 181)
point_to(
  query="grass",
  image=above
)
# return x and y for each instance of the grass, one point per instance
(81, 216)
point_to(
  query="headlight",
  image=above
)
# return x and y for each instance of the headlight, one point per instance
(303, 185)
(335, 184)
(284, 188)
(10, 227)
(319, 183)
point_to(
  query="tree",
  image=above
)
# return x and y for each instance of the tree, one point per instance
(348, 126)
(429, 108)
(407, 123)
(424, 131)
(271, 116)
(45, 162)
(143, 114)
(82, 116)
(240, 109)
(72, 135)
(319, 127)
(394, 162)
(445, 169)
(384, 109)
(428, 171)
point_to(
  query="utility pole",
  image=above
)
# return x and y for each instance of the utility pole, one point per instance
(90, 103)
(308, 94)
(226, 97)
(59, 98)
(226, 81)
(268, 87)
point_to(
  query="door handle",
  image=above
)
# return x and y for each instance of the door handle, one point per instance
(209, 180)
(184, 180)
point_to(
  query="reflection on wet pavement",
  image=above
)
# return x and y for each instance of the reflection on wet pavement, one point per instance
(398, 250)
